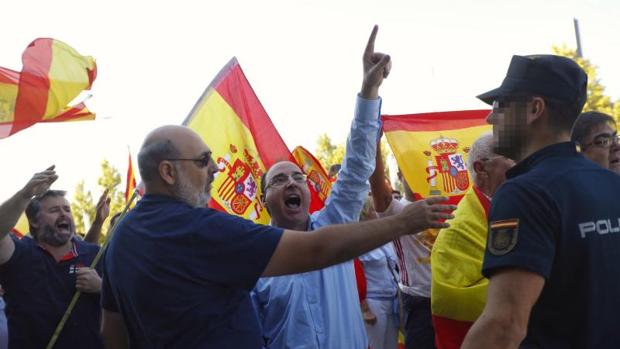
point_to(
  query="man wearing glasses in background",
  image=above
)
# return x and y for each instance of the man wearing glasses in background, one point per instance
(596, 134)
(320, 309)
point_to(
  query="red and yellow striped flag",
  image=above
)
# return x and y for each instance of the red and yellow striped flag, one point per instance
(130, 184)
(52, 76)
(318, 180)
(231, 120)
(431, 149)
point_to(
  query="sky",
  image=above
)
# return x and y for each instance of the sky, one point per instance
(303, 59)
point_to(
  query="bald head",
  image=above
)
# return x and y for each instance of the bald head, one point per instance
(175, 161)
(165, 142)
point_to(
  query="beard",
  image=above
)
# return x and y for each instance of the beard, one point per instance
(509, 144)
(54, 237)
(195, 197)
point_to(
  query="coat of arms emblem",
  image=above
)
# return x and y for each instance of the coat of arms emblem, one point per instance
(448, 165)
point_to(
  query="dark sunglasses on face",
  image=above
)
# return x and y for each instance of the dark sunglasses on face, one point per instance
(202, 161)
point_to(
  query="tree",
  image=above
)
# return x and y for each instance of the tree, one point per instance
(329, 154)
(597, 100)
(83, 205)
(82, 208)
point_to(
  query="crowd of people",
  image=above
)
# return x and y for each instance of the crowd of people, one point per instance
(528, 258)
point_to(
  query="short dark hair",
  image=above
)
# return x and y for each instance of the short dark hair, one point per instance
(586, 122)
(562, 114)
(34, 206)
(151, 155)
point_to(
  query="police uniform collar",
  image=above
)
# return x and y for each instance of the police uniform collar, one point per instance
(558, 149)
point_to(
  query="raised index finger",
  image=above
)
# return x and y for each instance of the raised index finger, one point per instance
(370, 47)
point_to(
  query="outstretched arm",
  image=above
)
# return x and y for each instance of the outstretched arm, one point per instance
(298, 252)
(11, 209)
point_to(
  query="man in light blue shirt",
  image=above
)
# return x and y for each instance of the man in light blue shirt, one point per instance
(320, 309)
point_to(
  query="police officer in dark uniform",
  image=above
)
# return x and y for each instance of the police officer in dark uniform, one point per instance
(553, 249)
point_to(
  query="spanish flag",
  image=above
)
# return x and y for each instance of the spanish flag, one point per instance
(458, 290)
(431, 149)
(244, 142)
(130, 184)
(52, 76)
(318, 180)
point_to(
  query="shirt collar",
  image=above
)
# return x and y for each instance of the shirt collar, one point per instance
(73, 252)
(554, 150)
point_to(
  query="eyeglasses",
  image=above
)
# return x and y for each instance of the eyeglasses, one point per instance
(202, 161)
(604, 141)
(282, 179)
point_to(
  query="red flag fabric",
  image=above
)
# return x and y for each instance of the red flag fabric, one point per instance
(245, 143)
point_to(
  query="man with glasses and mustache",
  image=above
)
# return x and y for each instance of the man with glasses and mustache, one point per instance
(552, 255)
(41, 274)
(320, 309)
(598, 138)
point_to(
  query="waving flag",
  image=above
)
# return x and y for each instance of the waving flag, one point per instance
(318, 179)
(431, 149)
(130, 183)
(231, 120)
(53, 75)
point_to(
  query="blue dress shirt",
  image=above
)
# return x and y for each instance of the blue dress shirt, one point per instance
(320, 309)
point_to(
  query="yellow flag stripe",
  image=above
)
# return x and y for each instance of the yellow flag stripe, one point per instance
(235, 188)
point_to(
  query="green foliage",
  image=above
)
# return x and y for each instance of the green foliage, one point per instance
(110, 179)
(597, 99)
(329, 154)
(83, 205)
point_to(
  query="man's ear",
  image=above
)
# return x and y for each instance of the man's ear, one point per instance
(167, 172)
(479, 169)
(536, 108)
(263, 200)
(34, 223)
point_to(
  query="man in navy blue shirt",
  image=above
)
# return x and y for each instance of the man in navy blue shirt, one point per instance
(553, 248)
(178, 275)
(41, 274)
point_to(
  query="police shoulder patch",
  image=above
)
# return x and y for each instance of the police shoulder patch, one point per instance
(503, 236)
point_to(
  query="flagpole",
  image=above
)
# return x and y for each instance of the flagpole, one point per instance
(77, 294)
(578, 38)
